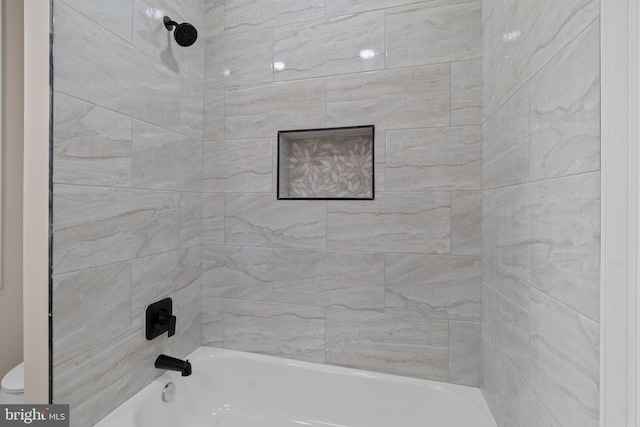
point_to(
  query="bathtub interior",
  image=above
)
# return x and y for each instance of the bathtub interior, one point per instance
(236, 389)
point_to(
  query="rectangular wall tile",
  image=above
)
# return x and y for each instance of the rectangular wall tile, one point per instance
(97, 226)
(190, 219)
(466, 92)
(160, 276)
(522, 37)
(515, 403)
(115, 15)
(466, 221)
(511, 322)
(130, 82)
(344, 7)
(330, 46)
(549, 236)
(165, 160)
(245, 15)
(244, 165)
(565, 362)
(434, 159)
(214, 114)
(263, 220)
(237, 272)
(281, 330)
(213, 219)
(239, 59)
(91, 145)
(394, 222)
(191, 108)
(261, 111)
(415, 97)
(487, 368)
(464, 357)
(433, 32)
(565, 110)
(323, 278)
(90, 307)
(505, 143)
(212, 321)
(390, 343)
(435, 286)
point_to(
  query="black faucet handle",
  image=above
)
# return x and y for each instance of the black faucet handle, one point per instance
(169, 320)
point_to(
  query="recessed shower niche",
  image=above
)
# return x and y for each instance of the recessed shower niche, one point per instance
(325, 164)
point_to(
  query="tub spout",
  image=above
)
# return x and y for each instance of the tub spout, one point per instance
(171, 363)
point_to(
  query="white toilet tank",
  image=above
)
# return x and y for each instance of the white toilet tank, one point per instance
(12, 387)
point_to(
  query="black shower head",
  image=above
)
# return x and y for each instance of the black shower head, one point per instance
(185, 33)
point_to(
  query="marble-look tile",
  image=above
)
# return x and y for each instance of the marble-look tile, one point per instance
(213, 114)
(323, 278)
(489, 226)
(466, 93)
(213, 219)
(464, 357)
(93, 64)
(114, 15)
(490, 311)
(344, 7)
(415, 97)
(346, 44)
(244, 15)
(511, 328)
(97, 226)
(466, 219)
(565, 361)
(549, 236)
(380, 160)
(91, 145)
(160, 276)
(261, 111)
(565, 110)
(516, 404)
(394, 222)
(505, 143)
(165, 160)
(281, 330)
(90, 307)
(434, 159)
(435, 286)
(190, 219)
(212, 321)
(99, 380)
(522, 37)
(404, 345)
(242, 165)
(433, 32)
(239, 59)
(191, 108)
(263, 220)
(237, 272)
(487, 368)
(151, 36)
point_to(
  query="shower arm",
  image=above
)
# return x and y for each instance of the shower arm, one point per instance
(169, 24)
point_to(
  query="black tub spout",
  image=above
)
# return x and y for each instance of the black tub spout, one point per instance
(171, 363)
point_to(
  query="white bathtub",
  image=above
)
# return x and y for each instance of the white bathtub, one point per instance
(236, 389)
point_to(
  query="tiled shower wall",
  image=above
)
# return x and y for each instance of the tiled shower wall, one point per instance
(541, 212)
(127, 201)
(390, 285)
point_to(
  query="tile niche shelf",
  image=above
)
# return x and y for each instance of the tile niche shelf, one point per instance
(326, 164)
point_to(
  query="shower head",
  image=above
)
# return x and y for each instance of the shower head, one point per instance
(185, 33)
